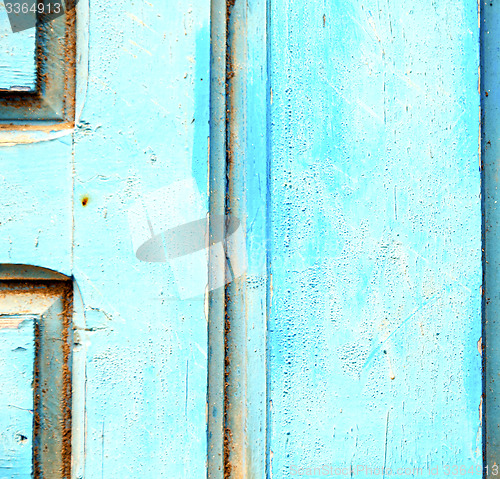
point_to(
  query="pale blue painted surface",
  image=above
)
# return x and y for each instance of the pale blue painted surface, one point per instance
(36, 213)
(17, 357)
(372, 216)
(17, 56)
(217, 206)
(246, 296)
(144, 125)
(376, 245)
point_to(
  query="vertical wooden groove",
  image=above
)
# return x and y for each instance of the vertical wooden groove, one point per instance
(217, 201)
(483, 251)
(238, 189)
(67, 337)
(246, 201)
(269, 244)
(229, 445)
(490, 119)
(36, 404)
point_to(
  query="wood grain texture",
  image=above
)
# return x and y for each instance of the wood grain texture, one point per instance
(217, 263)
(376, 220)
(359, 164)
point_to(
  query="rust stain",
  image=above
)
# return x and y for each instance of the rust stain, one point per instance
(228, 436)
(46, 287)
(66, 376)
(70, 60)
(85, 200)
(38, 127)
(36, 405)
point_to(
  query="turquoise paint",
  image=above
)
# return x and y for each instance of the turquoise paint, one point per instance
(354, 172)
(247, 183)
(143, 126)
(17, 57)
(375, 210)
(17, 357)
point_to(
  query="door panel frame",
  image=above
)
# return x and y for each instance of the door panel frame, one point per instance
(59, 379)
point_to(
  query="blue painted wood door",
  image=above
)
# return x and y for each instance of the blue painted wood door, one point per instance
(363, 183)
(70, 189)
(271, 215)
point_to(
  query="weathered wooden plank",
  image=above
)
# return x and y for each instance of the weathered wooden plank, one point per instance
(376, 265)
(217, 263)
(144, 126)
(247, 194)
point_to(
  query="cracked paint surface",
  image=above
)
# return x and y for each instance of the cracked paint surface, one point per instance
(375, 321)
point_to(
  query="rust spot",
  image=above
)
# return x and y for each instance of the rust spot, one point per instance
(85, 200)
(324, 20)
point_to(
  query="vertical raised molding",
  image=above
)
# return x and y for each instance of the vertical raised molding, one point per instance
(217, 205)
(490, 98)
(238, 312)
